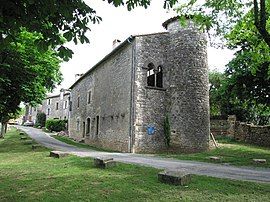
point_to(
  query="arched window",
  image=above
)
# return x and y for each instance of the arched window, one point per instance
(88, 126)
(154, 76)
(151, 75)
(159, 76)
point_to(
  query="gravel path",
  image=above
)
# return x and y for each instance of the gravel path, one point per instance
(193, 167)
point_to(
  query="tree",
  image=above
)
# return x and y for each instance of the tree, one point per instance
(222, 16)
(57, 20)
(26, 74)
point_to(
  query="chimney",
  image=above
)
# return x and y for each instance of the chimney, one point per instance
(77, 76)
(116, 42)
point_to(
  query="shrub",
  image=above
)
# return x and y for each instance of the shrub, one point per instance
(41, 119)
(167, 131)
(56, 125)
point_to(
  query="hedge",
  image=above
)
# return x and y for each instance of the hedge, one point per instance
(56, 125)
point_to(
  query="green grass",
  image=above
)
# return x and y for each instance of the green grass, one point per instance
(27, 175)
(230, 152)
(81, 145)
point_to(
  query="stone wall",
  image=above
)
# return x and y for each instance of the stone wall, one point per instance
(189, 97)
(110, 87)
(149, 102)
(257, 135)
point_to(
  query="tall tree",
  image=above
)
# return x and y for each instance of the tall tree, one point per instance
(26, 73)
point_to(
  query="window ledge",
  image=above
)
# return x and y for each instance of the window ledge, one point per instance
(155, 88)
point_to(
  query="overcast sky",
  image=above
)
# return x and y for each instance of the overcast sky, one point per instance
(118, 23)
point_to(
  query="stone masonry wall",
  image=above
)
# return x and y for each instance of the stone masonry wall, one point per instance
(150, 102)
(110, 86)
(189, 97)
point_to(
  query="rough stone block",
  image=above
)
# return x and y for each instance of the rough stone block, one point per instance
(23, 138)
(174, 177)
(22, 133)
(28, 142)
(104, 162)
(215, 159)
(58, 154)
(259, 161)
(35, 146)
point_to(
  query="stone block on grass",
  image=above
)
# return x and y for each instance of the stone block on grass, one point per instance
(35, 146)
(23, 138)
(28, 142)
(259, 161)
(104, 162)
(174, 177)
(22, 133)
(215, 159)
(58, 154)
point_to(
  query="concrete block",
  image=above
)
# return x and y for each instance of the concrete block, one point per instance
(58, 154)
(174, 177)
(28, 142)
(22, 133)
(23, 138)
(104, 162)
(259, 161)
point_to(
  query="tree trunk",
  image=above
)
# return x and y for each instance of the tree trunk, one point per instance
(2, 130)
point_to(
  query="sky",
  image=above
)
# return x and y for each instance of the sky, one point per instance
(118, 23)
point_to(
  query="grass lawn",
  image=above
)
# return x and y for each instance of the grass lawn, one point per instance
(27, 175)
(231, 152)
(81, 145)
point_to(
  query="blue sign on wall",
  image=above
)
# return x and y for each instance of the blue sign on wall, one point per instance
(150, 130)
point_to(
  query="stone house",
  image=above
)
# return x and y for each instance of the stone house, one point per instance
(55, 107)
(121, 102)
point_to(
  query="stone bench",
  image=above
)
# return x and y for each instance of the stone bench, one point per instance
(23, 138)
(174, 177)
(259, 161)
(58, 154)
(104, 162)
(215, 158)
(35, 146)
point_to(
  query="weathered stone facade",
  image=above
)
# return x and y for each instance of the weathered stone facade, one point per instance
(133, 89)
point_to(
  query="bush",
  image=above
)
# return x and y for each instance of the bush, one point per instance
(167, 131)
(41, 119)
(56, 125)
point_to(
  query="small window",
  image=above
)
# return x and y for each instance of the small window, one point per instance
(65, 104)
(48, 111)
(88, 126)
(57, 106)
(78, 124)
(48, 101)
(89, 97)
(78, 101)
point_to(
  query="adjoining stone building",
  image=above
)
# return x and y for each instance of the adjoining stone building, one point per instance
(55, 107)
(121, 103)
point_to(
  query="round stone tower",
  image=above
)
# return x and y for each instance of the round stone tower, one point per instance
(188, 97)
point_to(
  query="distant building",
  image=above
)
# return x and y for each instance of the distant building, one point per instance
(121, 103)
(55, 107)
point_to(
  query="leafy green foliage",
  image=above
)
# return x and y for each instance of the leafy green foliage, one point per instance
(220, 17)
(167, 131)
(41, 119)
(26, 73)
(56, 125)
